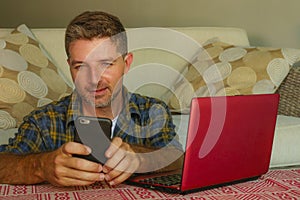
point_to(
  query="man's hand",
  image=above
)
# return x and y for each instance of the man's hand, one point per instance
(61, 169)
(57, 167)
(122, 162)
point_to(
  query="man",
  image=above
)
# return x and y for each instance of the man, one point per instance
(143, 133)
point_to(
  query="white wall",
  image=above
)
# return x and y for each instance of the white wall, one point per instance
(268, 22)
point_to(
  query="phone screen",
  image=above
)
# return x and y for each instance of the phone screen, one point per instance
(95, 133)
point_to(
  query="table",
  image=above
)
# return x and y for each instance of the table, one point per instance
(276, 184)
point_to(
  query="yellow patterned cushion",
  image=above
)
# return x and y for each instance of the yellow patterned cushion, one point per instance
(223, 69)
(28, 77)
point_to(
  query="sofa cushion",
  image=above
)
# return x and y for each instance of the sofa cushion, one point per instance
(28, 77)
(224, 69)
(286, 148)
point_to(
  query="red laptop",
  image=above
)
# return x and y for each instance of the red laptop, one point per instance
(229, 140)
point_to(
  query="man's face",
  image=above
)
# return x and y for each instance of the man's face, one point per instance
(97, 70)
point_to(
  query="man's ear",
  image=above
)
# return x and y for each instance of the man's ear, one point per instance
(128, 60)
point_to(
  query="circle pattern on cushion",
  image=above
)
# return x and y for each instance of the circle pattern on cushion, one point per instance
(43, 101)
(217, 72)
(6, 120)
(263, 87)
(277, 70)
(32, 84)
(28, 77)
(242, 77)
(33, 55)
(12, 60)
(10, 91)
(257, 60)
(17, 38)
(232, 54)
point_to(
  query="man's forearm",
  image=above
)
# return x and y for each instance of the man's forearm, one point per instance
(21, 169)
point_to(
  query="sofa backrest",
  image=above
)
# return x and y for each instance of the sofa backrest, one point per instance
(151, 60)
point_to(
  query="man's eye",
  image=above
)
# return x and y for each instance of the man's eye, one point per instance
(107, 64)
(79, 66)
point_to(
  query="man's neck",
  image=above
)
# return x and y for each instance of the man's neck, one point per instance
(89, 110)
(110, 111)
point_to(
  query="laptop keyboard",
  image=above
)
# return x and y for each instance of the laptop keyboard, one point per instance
(168, 180)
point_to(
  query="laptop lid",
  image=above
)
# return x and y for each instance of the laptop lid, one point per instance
(229, 139)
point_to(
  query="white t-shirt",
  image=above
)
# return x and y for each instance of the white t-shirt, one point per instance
(114, 122)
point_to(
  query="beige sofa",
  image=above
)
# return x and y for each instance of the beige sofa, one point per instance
(155, 71)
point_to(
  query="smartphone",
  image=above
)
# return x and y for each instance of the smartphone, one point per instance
(95, 133)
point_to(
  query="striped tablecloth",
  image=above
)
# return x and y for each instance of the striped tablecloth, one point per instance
(276, 184)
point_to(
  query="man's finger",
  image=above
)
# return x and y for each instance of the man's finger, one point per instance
(76, 148)
(117, 157)
(114, 146)
(84, 165)
(119, 179)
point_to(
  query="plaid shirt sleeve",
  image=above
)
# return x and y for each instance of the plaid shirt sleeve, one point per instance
(27, 140)
(42, 130)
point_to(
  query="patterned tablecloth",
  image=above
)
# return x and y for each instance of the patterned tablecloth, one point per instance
(276, 184)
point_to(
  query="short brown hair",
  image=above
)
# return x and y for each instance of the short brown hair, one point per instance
(96, 24)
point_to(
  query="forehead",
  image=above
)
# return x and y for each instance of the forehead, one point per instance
(97, 48)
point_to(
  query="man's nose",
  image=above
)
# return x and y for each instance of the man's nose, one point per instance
(95, 74)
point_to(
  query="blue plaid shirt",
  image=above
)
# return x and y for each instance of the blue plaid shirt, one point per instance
(144, 121)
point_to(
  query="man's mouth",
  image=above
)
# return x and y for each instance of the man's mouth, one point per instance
(100, 91)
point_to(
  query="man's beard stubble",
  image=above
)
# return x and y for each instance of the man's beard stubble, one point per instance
(108, 102)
